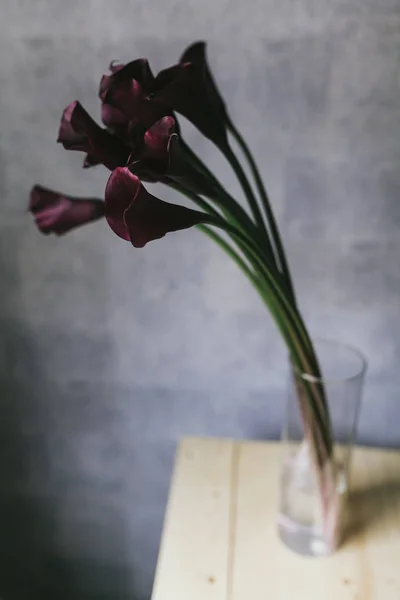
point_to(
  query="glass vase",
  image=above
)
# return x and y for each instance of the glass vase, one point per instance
(310, 521)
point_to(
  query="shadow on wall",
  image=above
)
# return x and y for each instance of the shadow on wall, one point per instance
(33, 561)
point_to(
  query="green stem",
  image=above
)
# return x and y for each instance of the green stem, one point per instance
(317, 425)
(238, 225)
(286, 316)
(242, 178)
(224, 199)
(252, 249)
(255, 281)
(231, 252)
(276, 240)
(278, 250)
(293, 325)
(220, 195)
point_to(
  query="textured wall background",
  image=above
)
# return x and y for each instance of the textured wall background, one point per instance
(110, 354)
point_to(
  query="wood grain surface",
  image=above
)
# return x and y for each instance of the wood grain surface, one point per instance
(220, 537)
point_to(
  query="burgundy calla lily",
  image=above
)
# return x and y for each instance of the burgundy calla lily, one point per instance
(125, 96)
(139, 217)
(90, 161)
(156, 139)
(57, 213)
(151, 158)
(160, 156)
(78, 131)
(189, 89)
(138, 70)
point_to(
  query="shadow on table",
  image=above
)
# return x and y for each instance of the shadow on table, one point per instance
(369, 508)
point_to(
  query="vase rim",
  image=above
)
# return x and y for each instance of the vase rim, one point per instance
(352, 350)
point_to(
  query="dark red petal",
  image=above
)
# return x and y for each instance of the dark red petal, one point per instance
(68, 136)
(138, 69)
(90, 161)
(81, 121)
(121, 189)
(41, 197)
(189, 88)
(105, 83)
(135, 135)
(57, 213)
(111, 116)
(166, 77)
(165, 158)
(150, 158)
(195, 53)
(125, 96)
(156, 139)
(78, 131)
(149, 218)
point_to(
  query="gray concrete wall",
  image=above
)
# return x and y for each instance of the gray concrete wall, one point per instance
(109, 354)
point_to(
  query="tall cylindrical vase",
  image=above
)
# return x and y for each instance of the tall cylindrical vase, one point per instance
(307, 523)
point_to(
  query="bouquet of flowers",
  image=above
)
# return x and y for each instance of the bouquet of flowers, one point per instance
(141, 142)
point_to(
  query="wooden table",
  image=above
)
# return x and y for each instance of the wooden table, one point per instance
(220, 540)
